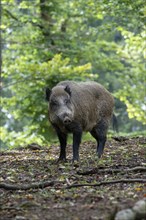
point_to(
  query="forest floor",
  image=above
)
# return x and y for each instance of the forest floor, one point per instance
(34, 187)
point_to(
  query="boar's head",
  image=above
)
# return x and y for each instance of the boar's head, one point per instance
(61, 109)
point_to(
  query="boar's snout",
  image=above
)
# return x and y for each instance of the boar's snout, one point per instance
(65, 119)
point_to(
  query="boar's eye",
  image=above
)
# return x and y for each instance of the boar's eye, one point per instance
(53, 103)
(67, 101)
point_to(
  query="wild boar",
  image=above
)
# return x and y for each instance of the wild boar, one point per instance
(75, 107)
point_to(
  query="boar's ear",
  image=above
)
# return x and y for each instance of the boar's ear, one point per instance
(67, 89)
(48, 93)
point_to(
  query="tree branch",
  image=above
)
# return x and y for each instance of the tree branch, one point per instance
(108, 182)
(16, 19)
(110, 170)
(52, 183)
(10, 14)
(28, 186)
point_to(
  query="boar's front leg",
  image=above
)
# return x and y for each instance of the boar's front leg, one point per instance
(77, 135)
(99, 133)
(63, 141)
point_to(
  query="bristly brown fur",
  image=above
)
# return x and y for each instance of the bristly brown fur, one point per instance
(77, 107)
(91, 102)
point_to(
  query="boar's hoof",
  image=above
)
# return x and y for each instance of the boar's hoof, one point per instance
(99, 155)
(75, 159)
(61, 159)
(76, 163)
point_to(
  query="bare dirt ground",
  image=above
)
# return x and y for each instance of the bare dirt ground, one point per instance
(67, 191)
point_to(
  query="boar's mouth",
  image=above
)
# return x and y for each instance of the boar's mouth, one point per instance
(73, 126)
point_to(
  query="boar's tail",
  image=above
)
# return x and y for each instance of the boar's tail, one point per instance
(115, 123)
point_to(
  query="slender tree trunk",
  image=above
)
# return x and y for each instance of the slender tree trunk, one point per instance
(44, 11)
(45, 17)
(47, 23)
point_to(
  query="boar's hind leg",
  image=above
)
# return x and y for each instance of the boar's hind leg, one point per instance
(63, 141)
(99, 133)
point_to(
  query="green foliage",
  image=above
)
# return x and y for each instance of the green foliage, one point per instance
(45, 42)
(133, 89)
(29, 92)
